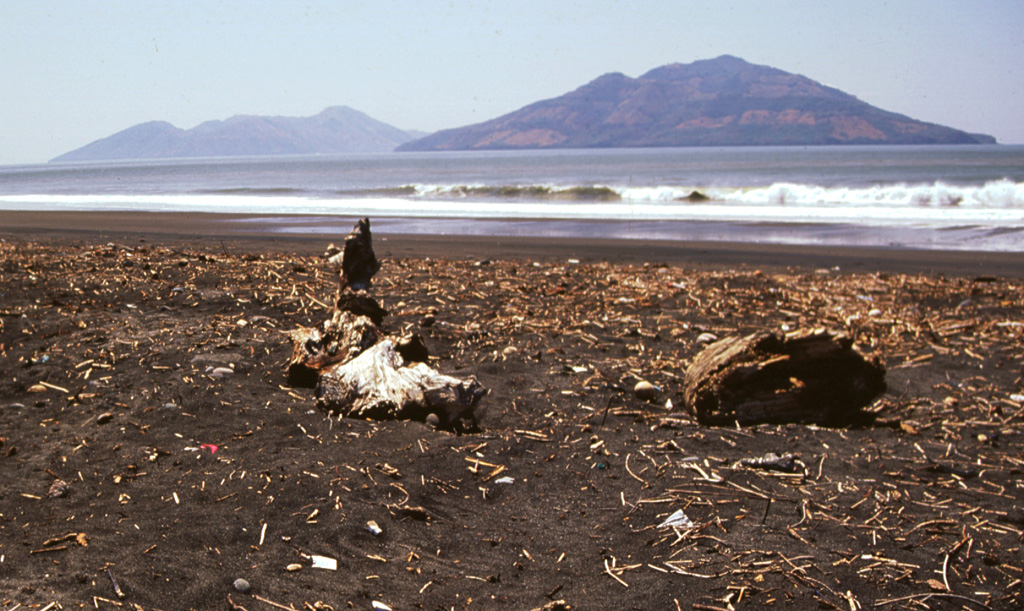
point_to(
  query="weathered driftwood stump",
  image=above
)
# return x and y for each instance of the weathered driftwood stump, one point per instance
(381, 384)
(360, 372)
(812, 377)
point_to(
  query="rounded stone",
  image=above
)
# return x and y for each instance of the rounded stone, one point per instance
(645, 390)
(242, 586)
(433, 419)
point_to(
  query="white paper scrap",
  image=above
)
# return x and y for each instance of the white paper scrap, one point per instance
(678, 520)
(323, 562)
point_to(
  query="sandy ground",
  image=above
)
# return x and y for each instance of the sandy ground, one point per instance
(135, 475)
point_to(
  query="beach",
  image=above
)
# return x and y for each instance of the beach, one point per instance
(271, 233)
(155, 457)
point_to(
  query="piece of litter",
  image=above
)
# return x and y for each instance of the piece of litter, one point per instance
(504, 480)
(379, 606)
(323, 562)
(373, 528)
(772, 462)
(677, 520)
(209, 446)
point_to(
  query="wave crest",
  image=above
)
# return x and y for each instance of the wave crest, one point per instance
(534, 192)
(994, 194)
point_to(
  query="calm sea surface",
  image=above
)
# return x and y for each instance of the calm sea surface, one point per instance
(965, 198)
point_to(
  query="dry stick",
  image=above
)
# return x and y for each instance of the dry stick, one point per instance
(274, 604)
(925, 597)
(803, 512)
(945, 562)
(945, 567)
(634, 475)
(608, 569)
(607, 407)
(45, 550)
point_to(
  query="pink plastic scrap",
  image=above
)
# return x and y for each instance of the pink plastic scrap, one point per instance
(209, 446)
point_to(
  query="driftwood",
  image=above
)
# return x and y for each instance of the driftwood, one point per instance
(380, 384)
(341, 337)
(355, 260)
(811, 377)
(357, 369)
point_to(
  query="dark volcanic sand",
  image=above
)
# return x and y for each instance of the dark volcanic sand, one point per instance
(119, 340)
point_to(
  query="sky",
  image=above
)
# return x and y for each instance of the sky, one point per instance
(76, 71)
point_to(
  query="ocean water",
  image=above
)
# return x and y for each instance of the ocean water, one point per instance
(963, 198)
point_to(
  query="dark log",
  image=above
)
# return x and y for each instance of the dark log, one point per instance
(381, 385)
(811, 377)
(355, 259)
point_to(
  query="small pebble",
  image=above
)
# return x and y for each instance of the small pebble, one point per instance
(220, 372)
(242, 586)
(433, 420)
(58, 489)
(36, 388)
(645, 390)
(293, 567)
(104, 418)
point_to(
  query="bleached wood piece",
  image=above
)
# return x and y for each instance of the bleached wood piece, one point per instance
(379, 384)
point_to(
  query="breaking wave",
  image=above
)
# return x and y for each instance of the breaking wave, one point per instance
(995, 194)
(1000, 194)
(534, 192)
(994, 204)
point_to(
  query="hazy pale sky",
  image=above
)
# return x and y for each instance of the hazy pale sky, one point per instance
(75, 71)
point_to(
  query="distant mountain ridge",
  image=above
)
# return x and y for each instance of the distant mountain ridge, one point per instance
(724, 101)
(338, 129)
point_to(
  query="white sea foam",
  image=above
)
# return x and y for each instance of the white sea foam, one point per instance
(774, 205)
(995, 194)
